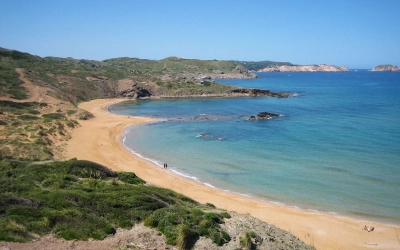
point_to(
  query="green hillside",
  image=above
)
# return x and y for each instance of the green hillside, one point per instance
(81, 80)
(82, 200)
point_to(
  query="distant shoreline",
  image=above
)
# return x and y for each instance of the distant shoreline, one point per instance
(99, 140)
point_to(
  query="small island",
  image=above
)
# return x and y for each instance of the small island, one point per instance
(386, 67)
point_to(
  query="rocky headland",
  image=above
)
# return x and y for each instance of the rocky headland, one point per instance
(304, 68)
(386, 67)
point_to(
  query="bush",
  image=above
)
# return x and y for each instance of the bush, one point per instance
(184, 236)
(225, 236)
(130, 178)
(210, 205)
(245, 241)
(54, 116)
(71, 112)
(33, 112)
(225, 215)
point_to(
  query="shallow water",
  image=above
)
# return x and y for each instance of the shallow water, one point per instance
(336, 147)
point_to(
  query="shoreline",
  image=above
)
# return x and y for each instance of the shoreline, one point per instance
(99, 140)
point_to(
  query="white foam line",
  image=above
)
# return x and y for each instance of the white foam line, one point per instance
(138, 154)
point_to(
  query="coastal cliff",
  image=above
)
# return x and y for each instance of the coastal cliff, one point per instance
(304, 68)
(386, 67)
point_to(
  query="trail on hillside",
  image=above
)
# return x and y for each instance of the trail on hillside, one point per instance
(35, 93)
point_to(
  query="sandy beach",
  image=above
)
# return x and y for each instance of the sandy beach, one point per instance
(99, 140)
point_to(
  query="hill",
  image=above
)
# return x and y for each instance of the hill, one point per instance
(75, 80)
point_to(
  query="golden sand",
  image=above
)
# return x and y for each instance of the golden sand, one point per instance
(99, 140)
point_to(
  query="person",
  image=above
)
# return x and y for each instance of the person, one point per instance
(369, 229)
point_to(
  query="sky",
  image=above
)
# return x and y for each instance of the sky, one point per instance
(354, 33)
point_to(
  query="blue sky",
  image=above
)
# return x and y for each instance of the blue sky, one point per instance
(357, 34)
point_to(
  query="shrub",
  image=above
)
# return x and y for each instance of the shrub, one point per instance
(184, 236)
(54, 116)
(210, 205)
(245, 241)
(225, 215)
(216, 238)
(225, 236)
(130, 178)
(71, 112)
(70, 124)
(33, 112)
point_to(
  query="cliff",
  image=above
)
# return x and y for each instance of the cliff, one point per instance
(386, 67)
(304, 68)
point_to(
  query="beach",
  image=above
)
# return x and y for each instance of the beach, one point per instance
(99, 140)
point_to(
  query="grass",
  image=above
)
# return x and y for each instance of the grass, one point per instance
(82, 200)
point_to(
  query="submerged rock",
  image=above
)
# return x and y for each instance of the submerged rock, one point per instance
(263, 116)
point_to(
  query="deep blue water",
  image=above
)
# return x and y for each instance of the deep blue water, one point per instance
(336, 147)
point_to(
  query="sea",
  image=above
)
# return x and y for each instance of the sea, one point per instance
(335, 148)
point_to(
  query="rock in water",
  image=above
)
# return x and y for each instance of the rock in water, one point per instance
(263, 116)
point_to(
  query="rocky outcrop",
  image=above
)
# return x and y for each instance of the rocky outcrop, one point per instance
(129, 89)
(263, 116)
(305, 68)
(259, 92)
(386, 67)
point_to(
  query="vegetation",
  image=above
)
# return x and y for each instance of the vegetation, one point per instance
(27, 135)
(81, 200)
(245, 241)
(75, 80)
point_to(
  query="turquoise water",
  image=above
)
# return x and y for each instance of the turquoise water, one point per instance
(335, 148)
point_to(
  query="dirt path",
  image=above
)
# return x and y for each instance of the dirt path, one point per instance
(35, 92)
